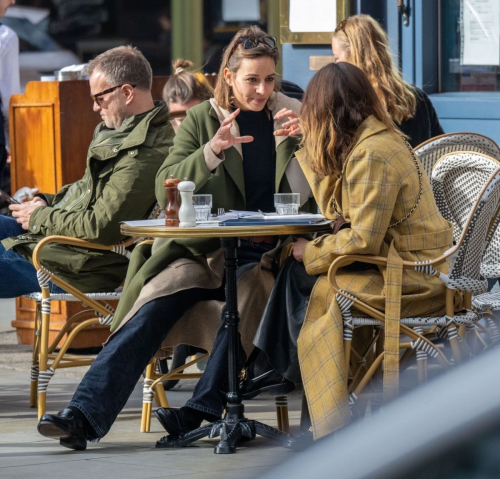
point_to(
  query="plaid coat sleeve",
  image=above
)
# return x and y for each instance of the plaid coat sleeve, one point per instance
(370, 185)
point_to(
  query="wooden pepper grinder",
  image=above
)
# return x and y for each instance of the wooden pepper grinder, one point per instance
(187, 213)
(172, 209)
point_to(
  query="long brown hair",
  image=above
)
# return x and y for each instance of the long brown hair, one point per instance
(184, 86)
(234, 54)
(367, 46)
(337, 100)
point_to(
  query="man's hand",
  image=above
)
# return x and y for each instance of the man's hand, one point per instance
(298, 249)
(23, 211)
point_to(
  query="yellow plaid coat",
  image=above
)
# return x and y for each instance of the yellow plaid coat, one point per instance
(379, 185)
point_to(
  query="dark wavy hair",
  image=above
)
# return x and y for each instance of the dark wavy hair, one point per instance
(337, 100)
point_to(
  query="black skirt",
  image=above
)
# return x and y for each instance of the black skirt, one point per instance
(283, 317)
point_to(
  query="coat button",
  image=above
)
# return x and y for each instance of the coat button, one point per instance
(115, 150)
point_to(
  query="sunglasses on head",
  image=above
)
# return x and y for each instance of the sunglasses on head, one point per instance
(252, 42)
(341, 27)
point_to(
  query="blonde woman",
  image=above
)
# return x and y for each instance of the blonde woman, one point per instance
(185, 89)
(361, 40)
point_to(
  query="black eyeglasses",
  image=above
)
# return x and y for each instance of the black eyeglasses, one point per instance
(252, 42)
(97, 97)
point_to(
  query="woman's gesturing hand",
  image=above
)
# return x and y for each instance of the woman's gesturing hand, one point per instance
(290, 127)
(223, 139)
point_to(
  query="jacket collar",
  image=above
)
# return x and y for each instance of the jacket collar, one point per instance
(133, 132)
(370, 126)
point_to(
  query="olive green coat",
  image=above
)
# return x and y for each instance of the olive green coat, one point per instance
(117, 186)
(188, 158)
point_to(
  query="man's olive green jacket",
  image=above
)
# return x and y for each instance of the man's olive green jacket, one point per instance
(118, 185)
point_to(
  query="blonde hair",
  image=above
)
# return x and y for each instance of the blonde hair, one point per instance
(234, 54)
(337, 100)
(366, 45)
(184, 86)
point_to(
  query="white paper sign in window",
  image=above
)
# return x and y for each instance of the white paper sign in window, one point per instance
(313, 15)
(480, 32)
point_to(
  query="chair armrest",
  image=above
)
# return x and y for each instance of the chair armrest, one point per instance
(148, 241)
(72, 242)
(346, 260)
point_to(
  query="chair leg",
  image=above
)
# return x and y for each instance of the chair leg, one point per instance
(421, 360)
(452, 328)
(45, 372)
(347, 355)
(282, 413)
(35, 369)
(162, 397)
(147, 398)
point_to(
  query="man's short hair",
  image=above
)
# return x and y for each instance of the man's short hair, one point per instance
(123, 65)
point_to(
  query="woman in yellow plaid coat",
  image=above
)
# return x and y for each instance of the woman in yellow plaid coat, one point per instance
(359, 166)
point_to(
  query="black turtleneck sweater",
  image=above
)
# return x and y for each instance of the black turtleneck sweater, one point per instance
(259, 159)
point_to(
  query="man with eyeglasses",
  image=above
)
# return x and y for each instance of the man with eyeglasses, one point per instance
(127, 149)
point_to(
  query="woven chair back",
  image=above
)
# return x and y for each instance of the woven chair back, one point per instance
(430, 151)
(457, 180)
(475, 218)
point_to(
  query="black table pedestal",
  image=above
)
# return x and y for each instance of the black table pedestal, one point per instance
(234, 426)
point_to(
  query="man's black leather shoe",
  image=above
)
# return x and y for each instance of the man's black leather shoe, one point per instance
(67, 427)
(270, 381)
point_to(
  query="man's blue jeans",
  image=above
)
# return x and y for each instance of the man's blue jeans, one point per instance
(17, 275)
(111, 379)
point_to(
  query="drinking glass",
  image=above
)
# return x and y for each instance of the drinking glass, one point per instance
(203, 206)
(287, 203)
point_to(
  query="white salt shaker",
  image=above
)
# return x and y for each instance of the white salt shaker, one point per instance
(187, 213)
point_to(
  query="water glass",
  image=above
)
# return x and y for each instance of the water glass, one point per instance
(287, 203)
(203, 207)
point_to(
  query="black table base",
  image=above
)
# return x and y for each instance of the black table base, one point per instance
(234, 427)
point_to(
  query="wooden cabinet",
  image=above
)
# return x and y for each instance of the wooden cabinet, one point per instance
(51, 127)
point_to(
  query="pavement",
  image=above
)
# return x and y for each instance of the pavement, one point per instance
(124, 452)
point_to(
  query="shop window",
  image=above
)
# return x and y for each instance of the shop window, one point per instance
(470, 45)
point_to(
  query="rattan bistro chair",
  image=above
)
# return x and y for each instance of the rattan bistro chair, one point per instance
(456, 181)
(45, 359)
(464, 275)
(430, 151)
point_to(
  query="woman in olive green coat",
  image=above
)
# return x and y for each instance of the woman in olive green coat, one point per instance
(228, 147)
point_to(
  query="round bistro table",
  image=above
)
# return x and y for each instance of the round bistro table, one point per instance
(234, 425)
